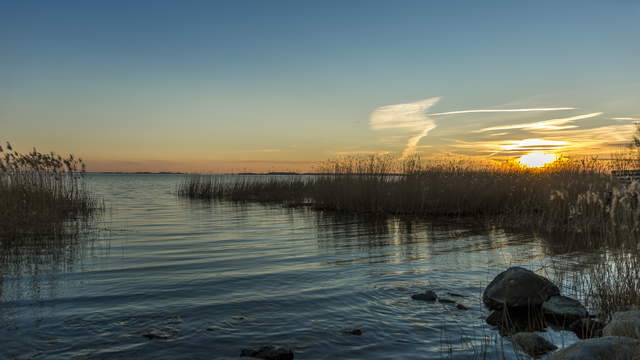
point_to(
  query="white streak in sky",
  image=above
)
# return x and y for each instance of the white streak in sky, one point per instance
(501, 110)
(409, 117)
(626, 118)
(546, 125)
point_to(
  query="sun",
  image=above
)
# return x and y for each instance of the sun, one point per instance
(537, 159)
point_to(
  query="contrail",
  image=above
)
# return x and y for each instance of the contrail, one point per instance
(548, 125)
(500, 110)
(626, 118)
(411, 117)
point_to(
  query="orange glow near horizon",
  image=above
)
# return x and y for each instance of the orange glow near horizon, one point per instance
(537, 159)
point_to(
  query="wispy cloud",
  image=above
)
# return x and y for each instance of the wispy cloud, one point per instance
(501, 110)
(409, 117)
(626, 118)
(546, 125)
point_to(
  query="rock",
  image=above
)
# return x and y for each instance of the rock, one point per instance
(629, 328)
(518, 288)
(268, 352)
(455, 294)
(353, 331)
(446, 301)
(495, 318)
(608, 347)
(428, 295)
(461, 307)
(626, 315)
(564, 310)
(532, 343)
(161, 333)
(624, 323)
(509, 322)
(586, 328)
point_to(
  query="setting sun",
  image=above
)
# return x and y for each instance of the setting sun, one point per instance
(537, 159)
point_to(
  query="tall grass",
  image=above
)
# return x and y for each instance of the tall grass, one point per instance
(42, 197)
(569, 197)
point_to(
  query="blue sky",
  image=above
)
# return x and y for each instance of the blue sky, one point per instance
(219, 85)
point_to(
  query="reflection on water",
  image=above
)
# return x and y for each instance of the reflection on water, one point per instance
(217, 277)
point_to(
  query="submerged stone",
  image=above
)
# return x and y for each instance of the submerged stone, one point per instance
(161, 333)
(428, 295)
(532, 343)
(446, 301)
(357, 332)
(268, 352)
(518, 287)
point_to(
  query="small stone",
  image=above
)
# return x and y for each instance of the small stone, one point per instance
(461, 307)
(446, 301)
(160, 334)
(268, 352)
(532, 343)
(428, 295)
(455, 294)
(357, 332)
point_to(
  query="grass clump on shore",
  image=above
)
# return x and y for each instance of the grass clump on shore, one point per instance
(42, 197)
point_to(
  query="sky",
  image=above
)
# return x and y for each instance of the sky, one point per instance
(229, 86)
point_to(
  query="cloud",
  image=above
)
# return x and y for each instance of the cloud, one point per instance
(546, 125)
(500, 110)
(626, 118)
(410, 117)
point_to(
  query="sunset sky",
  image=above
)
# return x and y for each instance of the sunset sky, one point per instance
(218, 86)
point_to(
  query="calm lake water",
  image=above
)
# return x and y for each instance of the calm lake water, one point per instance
(219, 277)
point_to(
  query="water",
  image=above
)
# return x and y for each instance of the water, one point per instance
(220, 277)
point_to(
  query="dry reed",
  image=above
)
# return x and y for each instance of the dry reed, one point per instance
(42, 197)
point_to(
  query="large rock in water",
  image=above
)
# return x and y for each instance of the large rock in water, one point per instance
(564, 310)
(604, 348)
(626, 323)
(517, 288)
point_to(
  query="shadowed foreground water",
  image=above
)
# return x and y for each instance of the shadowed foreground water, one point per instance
(220, 277)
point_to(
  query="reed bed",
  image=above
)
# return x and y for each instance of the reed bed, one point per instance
(569, 197)
(43, 199)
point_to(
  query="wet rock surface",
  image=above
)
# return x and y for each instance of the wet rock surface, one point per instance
(608, 347)
(563, 310)
(268, 352)
(518, 287)
(532, 343)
